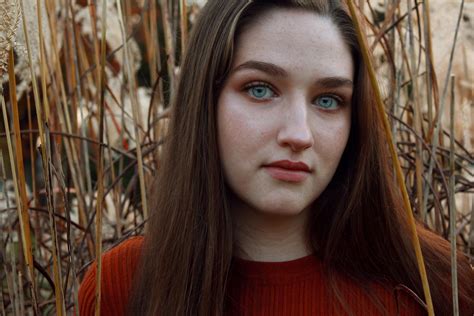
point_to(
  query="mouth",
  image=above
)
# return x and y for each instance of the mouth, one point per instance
(288, 171)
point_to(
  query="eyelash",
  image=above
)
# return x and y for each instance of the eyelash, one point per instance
(341, 100)
(258, 84)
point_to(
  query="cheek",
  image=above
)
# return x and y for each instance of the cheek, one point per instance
(232, 130)
(332, 136)
(241, 129)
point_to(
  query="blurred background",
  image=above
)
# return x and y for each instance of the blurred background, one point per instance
(84, 92)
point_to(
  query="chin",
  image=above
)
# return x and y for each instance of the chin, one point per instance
(281, 208)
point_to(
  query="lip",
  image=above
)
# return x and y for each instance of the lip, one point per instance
(289, 171)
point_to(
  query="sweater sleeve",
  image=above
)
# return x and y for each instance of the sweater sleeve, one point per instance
(118, 267)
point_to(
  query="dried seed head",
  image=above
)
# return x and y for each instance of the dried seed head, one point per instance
(9, 18)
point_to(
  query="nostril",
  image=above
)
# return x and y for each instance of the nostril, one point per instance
(297, 139)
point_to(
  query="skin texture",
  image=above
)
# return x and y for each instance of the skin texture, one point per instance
(288, 97)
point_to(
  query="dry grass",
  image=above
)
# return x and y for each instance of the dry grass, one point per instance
(84, 98)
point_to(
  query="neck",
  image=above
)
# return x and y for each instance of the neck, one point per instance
(268, 237)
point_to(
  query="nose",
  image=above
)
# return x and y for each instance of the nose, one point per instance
(295, 131)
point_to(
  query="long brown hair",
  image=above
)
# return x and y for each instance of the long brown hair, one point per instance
(358, 224)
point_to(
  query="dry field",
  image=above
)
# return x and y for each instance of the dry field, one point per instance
(84, 93)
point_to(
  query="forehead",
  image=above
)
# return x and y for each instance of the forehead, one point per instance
(297, 40)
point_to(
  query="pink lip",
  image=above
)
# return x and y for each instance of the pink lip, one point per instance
(288, 171)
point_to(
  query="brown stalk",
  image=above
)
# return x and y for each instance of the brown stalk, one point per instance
(184, 24)
(157, 101)
(20, 293)
(389, 138)
(428, 59)
(10, 269)
(42, 61)
(169, 48)
(2, 259)
(100, 172)
(452, 206)
(99, 49)
(154, 43)
(147, 21)
(6, 264)
(2, 303)
(115, 189)
(414, 98)
(20, 181)
(15, 287)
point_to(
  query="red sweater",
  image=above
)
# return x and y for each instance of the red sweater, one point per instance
(297, 287)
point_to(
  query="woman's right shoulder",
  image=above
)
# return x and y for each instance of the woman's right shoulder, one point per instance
(118, 268)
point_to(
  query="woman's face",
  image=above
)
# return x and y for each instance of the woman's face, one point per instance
(284, 113)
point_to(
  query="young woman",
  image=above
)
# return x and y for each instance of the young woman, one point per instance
(275, 195)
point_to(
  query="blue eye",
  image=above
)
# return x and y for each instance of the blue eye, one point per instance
(260, 92)
(327, 102)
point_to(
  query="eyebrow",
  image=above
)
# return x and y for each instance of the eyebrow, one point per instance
(268, 68)
(277, 71)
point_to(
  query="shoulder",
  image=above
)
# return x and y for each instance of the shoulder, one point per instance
(118, 268)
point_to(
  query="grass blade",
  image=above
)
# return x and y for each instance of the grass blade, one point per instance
(100, 170)
(452, 207)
